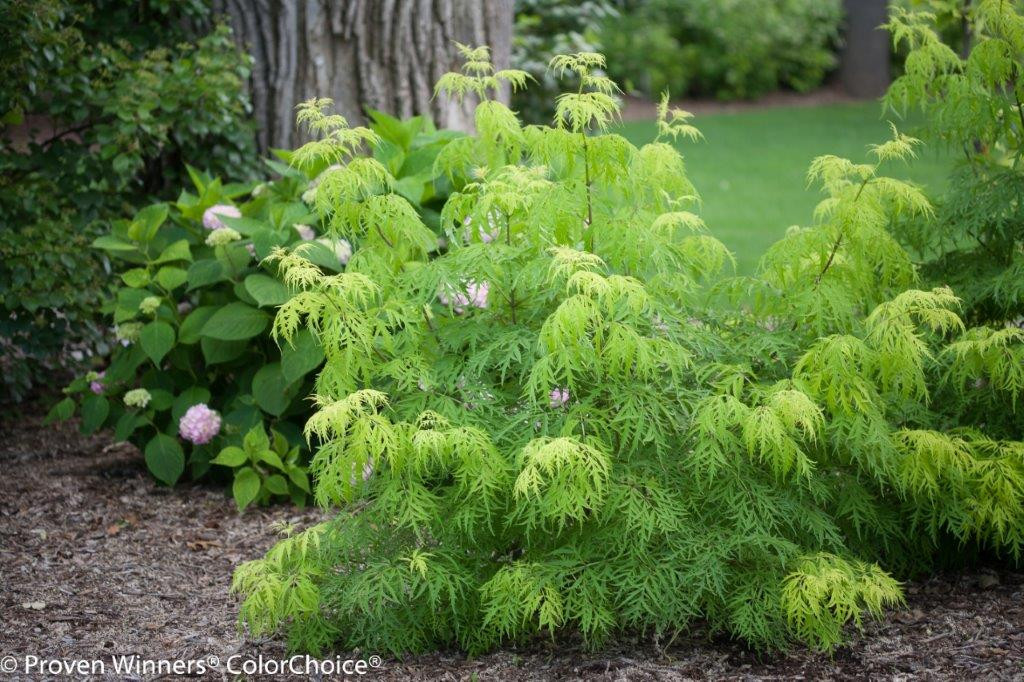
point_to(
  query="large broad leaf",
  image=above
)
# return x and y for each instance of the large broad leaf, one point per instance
(160, 399)
(136, 277)
(234, 258)
(271, 391)
(61, 411)
(128, 302)
(392, 129)
(191, 329)
(216, 351)
(171, 277)
(126, 425)
(412, 188)
(235, 322)
(164, 458)
(231, 456)
(266, 290)
(300, 357)
(113, 244)
(245, 226)
(276, 484)
(246, 487)
(298, 477)
(177, 251)
(157, 339)
(322, 255)
(205, 272)
(95, 409)
(124, 364)
(147, 222)
(265, 241)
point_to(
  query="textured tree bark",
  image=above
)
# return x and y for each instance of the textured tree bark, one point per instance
(864, 62)
(384, 54)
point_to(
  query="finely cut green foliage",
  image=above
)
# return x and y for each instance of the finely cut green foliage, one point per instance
(569, 416)
(973, 106)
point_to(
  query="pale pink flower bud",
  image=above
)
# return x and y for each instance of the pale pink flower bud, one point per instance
(486, 236)
(341, 248)
(558, 397)
(96, 386)
(367, 472)
(211, 221)
(199, 425)
(306, 233)
(478, 293)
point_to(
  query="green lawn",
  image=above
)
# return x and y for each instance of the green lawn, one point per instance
(751, 168)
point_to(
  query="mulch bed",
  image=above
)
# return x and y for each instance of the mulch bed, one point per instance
(96, 561)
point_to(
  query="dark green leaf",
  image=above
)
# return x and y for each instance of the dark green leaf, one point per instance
(205, 272)
(179, 250)
(301, 356)
(165, 459)
(193, 324)
(95, 409)
(266, 290)
(271, 391)
(231, 456)
(276, 484)
(170, 277)
(235, 322)
(216, 351)
(245, 487)
(157, 339)
(61, 411)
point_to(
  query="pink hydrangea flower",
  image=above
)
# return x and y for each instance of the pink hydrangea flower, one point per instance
(341, 247)
(558, 397)
(367, 472)
(199, 424)
(96, 386)
(486, 235)
(306, 233)
(184, 308)
(211, 219)
(475, 296)
(251, 248)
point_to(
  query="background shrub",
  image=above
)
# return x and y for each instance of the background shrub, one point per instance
(971, 102)
(726, 49)
(543, 29)
(101, 103)
(195, 380)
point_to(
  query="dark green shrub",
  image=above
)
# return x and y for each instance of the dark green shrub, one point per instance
(197, 382)
(543, 29)
(727, 49)
(101, 103)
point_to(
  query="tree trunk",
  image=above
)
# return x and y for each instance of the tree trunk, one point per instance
(382, 54)
(864, 63)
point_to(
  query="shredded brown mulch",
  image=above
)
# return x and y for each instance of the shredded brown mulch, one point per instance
(98, 561)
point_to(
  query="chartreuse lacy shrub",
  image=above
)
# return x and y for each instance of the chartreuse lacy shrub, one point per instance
(198, 382)
(972, 104)
(575, 421)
